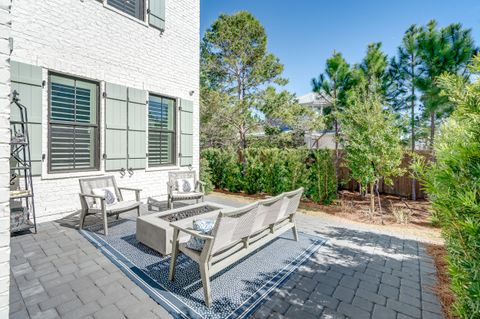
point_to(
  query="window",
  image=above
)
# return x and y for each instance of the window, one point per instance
(73, 124)
(135, 8)
(161, 131)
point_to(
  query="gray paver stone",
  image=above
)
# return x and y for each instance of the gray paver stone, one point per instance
(381, 312)
(388, 291)
(344, 294)
(404, 308)
(349, 282)
(297, 312)
(373, 297)
(362, 303)
(353, 311)
(324, 300)
(108, 312)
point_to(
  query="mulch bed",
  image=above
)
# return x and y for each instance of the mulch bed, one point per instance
(353, 206)
(442, 288)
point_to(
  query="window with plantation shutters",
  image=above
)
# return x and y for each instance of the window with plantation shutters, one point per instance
(73, 124)
(161, 131)
(135, 8)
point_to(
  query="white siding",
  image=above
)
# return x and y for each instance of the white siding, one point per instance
(87, 39)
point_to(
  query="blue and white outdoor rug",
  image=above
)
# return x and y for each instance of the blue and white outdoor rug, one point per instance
(236, 292)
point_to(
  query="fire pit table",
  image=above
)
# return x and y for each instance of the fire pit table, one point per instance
(154, 230)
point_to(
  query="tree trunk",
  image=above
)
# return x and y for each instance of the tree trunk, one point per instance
(372, 200)
(432, 129)
(414, 191)
(379, 202)
(242, 148)
(337, 155)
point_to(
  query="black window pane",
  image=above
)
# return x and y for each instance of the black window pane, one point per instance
(135, 8)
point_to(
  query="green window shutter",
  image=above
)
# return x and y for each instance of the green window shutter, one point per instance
(186, 133)
(137, 126)
(115, 127)
(27, 82)
(156, 14)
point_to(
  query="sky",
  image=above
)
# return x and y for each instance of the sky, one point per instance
(304, 33)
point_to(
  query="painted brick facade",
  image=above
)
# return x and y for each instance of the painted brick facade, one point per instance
(5, 31)
(88, 39)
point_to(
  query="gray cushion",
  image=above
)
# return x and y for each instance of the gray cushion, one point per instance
(192, 195)
(118, 207)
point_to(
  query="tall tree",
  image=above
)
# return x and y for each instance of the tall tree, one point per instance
(235, 61)
(371, 139)
(404, 73)
(445, 50)
(334, 83)
(371, 73)
(452, 183)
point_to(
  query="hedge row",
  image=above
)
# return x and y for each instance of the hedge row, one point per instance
(273, 171)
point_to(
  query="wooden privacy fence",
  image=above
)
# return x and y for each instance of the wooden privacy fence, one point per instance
(402, 185)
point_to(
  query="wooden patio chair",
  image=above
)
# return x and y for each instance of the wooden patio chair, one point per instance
(96, 204)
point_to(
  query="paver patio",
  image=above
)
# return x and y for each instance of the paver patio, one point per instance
(359, 273)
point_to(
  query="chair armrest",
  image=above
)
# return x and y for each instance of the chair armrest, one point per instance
(200, 186)
(192, 232)
(170, 188)
(131, 189)
(136, 190)
(92, 196)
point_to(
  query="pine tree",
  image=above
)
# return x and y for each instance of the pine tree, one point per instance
(334, 83)
(404, 74)
(445, 50)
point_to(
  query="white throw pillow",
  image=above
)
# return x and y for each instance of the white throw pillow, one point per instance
(185, 185)
(204, 226)
(108, 193)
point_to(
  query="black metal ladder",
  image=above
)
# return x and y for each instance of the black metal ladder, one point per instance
(22, 200)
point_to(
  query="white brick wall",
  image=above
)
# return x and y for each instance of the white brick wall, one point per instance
(5, 31)
(85, 38)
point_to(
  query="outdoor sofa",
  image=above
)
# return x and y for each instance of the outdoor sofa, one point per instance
(237, 233)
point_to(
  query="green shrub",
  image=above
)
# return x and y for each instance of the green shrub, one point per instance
(296, 174)
(322, 187)
(453, 186)
(252, 179)
(224, 168)
(273, 170)
(273, 177)
(206, 175)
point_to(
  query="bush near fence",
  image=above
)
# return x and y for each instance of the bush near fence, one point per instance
(402, 185)
(273, 171)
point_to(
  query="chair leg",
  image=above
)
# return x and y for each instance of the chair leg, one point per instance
(295, 232)
(173, 258)
(118, 215)
(82, 218)
(138, 211)
(105, 223)
(206, 284)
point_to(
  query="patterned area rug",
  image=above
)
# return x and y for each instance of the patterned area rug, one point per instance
(237, 291)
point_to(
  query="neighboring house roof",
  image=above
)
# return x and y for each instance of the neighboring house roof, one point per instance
(318, 100)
